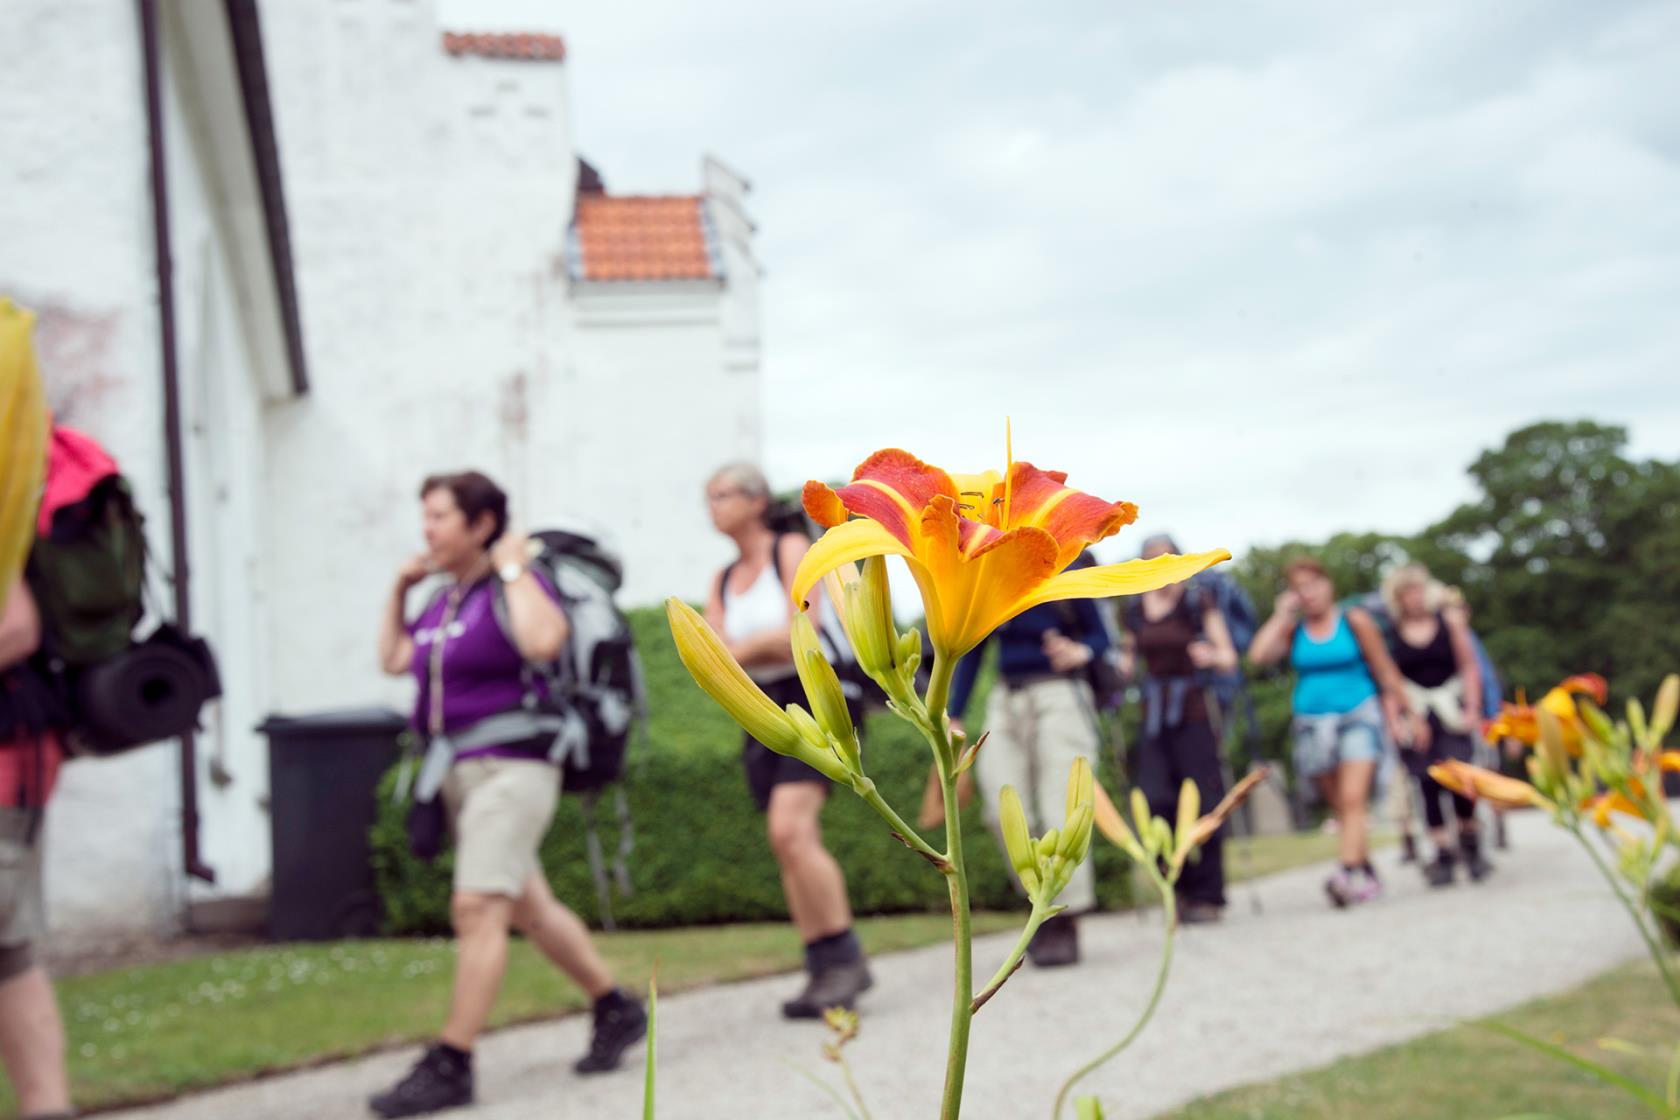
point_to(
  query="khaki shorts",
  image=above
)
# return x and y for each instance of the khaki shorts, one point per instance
(22, 914)
(499, 809)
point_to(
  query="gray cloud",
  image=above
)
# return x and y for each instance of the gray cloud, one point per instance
(1268, 270)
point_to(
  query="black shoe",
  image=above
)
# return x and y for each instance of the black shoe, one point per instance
(438, 1080)
(1056, 943)
(1474, 862)
(1199, 913)
(619, 1025)
(835, 985)
(1408, 848)
(1438, 872)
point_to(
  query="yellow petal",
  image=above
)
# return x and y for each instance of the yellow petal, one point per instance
(843, 544)
(1132, 577)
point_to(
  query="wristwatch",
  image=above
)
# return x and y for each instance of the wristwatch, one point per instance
(510, 572)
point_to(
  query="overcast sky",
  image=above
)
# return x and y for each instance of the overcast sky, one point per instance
(1267, 269)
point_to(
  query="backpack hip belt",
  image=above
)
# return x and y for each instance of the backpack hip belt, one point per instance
(505, 727)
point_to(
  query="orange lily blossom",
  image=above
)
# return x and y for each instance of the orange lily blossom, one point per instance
(983, 548)
(1600, 806)
(1477, 782)
(1521, 721)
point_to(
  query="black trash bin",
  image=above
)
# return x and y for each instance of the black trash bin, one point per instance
(323, 771)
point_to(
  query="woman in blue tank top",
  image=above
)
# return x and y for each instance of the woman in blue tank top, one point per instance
(1348, 699)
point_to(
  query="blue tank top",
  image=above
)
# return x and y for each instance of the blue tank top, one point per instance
(1331, 676)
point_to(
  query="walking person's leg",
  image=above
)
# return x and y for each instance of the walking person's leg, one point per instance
(815, 887)
(620, 1021)
(31, 1036)
(1439, 871)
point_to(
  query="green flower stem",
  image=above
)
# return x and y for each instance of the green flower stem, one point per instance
(1040, 913)
(1658, 953)
(872, 796)
(1169, 905)
(962, 995)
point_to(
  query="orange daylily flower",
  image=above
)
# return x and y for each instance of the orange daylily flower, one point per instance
(1477, 782)
(983, 548)
(1600, 807)
(1521, 721)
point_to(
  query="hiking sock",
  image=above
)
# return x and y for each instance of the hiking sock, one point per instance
(612, 1000)
(834, 949)
(455, 1052)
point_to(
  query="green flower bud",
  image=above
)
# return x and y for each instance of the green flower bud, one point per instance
(1666, 707)
(822, 689)
(1012, 822)
(815, 748)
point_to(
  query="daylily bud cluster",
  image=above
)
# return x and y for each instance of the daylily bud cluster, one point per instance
(1046, 865)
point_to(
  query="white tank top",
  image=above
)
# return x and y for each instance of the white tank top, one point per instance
(764, 606)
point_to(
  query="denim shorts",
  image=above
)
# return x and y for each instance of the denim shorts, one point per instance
(1324, 742)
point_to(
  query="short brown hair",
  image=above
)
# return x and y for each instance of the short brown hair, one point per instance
(475, 495)
(1305, 563)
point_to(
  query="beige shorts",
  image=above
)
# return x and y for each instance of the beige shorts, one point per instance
(22, 915)
(499, 810)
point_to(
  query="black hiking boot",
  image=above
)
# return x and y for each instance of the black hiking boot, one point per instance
(1438, 872)
(1056, 943)
(439, 1080)
(1474, 862)
(1408, 848)
(620, 1023)
(833, 985)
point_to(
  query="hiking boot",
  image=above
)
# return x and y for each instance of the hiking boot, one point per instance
(1438, 872)
(620, 1023)
(1193, 913)
(1474, 862)
(1408, 848)
(439, 1080)
(1056, 943)
(1352, 886)
(834, 985)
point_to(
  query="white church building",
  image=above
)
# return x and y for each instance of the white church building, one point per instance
(289, 257)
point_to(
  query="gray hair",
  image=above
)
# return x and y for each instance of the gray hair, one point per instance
(745, 477)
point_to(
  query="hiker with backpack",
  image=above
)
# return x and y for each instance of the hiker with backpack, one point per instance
(1436, 656)
(1041, 716)
(1180, 633)
(750, 607)
(470, 650)
(1349, 698)
(31, 1028)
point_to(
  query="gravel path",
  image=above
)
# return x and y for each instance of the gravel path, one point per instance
(1292, 987)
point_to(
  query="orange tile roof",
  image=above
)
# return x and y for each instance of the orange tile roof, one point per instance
(515, 45)
(641, 238)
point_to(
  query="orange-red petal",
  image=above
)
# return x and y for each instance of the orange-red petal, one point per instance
(892, 488)
(1074, 518)
(1590, 683)
(823, 504)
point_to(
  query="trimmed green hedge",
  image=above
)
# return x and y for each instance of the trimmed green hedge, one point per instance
(700, 853)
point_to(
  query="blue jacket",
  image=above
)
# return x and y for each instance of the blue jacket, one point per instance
(1020, 646)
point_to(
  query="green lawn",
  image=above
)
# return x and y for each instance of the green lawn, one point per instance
(1469, 1073)
(153, 1031)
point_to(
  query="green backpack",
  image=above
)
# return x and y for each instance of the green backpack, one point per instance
(88, 575)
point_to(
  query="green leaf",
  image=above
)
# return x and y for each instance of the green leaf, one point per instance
(652, 1038)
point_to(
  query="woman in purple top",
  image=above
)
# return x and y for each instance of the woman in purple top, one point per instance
(500, 797)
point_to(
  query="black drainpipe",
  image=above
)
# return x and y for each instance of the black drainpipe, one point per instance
(152, 63)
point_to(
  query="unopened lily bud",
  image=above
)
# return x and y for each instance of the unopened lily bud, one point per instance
(869, 612)
(1079, 786)
(708, 661)
(822, 689)
(909, 652)
(816, 749)
(1141, 816)
(1108, 820)
(1189, 808)
(1551, 746)
(1012, 822)
(1047, 844)
(1076, 834)
(1666, 707)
